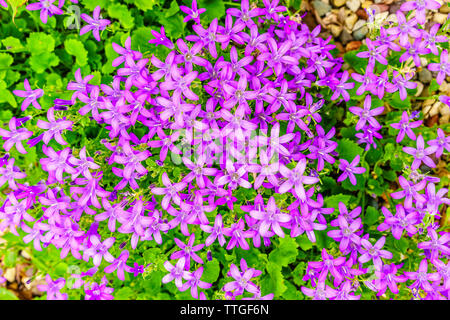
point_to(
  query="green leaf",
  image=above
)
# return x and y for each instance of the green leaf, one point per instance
(40, 63)
(273, 282)
(125, 293)
(359, 64)
(333, 201)
(398, 103)
(285, 253)
(145, 5)
(39, 43)
(76, 48)
(434, 86)
(5, 60)
(214, 9)
(10, 259)
(5, 294)
(6, 95)
(174, 8)
(12, 44)
(304, 243)
(348, 149)
(91, 4)
(121, 13)
(371, 216)
(211, 271)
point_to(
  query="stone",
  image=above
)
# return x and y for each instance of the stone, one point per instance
(338, 3)
(350, 21)
(10, 274)
(345, 37)
(444, 109)
(419, 88)
(359, 24)
(444, 9)
(321, 7)
(335, 30)
(361, 33)
(353, 4)
(346, 66)
(362, 14)
(340, 47)
(425, 76)
(392, 17)
(366, 4)
(353, 45)
(440, 18)
(379, 8)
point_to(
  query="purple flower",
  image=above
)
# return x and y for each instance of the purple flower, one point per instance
(270, 217)
(170, 191)
(95, 291)
(329, 264)
(54, 127)
(187, 251)
(442, 142)
(409, 192)
(53, 288)
(238, 235)
(192, 13)
(99, 250)
(366, 114)
(401, 221)
(321, 292)
(405, 127)
(194, 283)
(431, 38)
(208, 36)
(176, 272)
(349, 170)
(95, 24)
(387, 277)
(81, 85)
(401, 83)
(216, 231)
(342, 86)
(420, 154)
(436, 244)
(119, 265)
(9, 173)
(124, 52)
(374, 252)
(15, 136)
(347, 233)
(3, 4)
(242, 281)
(47, 9)
(161, 39)
(405, 29)
(374, 53)
(421, 277)
(30, 96)
(296, 179)
(420, 6)
(443, 67)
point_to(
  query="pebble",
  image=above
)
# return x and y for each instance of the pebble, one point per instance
(379, 8)
(362, 14)
(353, 4)
(360, 33)
(359, 24)
(10, 274)
(395, 7)
(351, 20)
(366, 4)
(444, 109)
(353, 45)
(339, 3)
(345, 37)
(321, 7)
(392, 18)
(444, 9)
(25, 254)
(431, 110)
(346, 66)
(440, 18)
(335, 30)
(419, 88)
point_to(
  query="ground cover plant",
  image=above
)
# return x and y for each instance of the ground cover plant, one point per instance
(220, 150)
